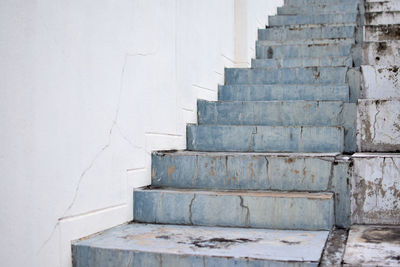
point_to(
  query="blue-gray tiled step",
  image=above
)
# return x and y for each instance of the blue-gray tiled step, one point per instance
(283, 92)
(312, 75)
(265, 138)
(265, 51)
(271, 113)
(340, 18)
(255, 209)
(320, 8)
(147, 245)
(305, 62)
(257, 171)
(288, 33)
(301, 3)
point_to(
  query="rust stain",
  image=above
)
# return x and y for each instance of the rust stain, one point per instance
(290, 160)
(212, 171)
(171, 170)
(313, 178)
(251, 170)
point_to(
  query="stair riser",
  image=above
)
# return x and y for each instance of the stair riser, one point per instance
(306, 33)
(318, 9)
(285, 92)
(299, 51)
(377, 18)
(331, 76)
(381, 53)
(85, 256)
(304, 113)
(264, 139)
(393, 5)
(256, 172)
(212, 209)
(378, 33)
(302, 62)
(344, 18)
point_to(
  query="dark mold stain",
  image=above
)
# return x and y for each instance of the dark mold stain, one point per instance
(290, 242)
(377, 235)
(220, 242)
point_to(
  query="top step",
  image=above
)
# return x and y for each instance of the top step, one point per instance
(316, 2)
(319, 8)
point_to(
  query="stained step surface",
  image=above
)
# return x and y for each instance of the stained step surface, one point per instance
(266, 51)
(305, 62)
(264, 138)
(255, 209)
(314, 75)
(254, 92)
(182, 246)
(339, 18)
(271, 113)
(287, 33)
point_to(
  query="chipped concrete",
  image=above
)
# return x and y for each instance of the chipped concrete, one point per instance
(378, 125)
(373, 246)
(375, 193)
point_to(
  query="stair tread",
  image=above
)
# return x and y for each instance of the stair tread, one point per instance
(203, 245)
(264, 154)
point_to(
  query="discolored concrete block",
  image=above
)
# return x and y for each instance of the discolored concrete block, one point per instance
(378, 124)
(371, 245)
(375, 193)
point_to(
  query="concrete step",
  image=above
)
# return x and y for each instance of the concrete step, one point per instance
(181, 246)
(255, 209)
(282, 113)
(318, 8)
(372, 245)
(383, 6)
(336, 19)
(283, 92)
(381, 53)
(387, 17)
(301, 3)
(271, 113)
(265, 138)
(313, 75)
(380, 33)
(308, 42)
(378, 125)
(375, 189)
(289, 33)
(305, 62)
(265, 51)
(311, 172)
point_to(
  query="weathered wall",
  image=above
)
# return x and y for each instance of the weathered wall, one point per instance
(88, 90)
(376, 184)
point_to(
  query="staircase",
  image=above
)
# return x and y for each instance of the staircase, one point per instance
(264, 179)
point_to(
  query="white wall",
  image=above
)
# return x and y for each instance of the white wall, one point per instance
(87, 90)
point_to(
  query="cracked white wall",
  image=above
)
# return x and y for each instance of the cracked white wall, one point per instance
(88, 90)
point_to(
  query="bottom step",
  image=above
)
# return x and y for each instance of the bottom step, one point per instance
(172, 245)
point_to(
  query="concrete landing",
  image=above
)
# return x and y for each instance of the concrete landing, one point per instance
(373, 246)
(171, 245)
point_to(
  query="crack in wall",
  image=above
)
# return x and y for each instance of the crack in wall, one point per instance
(375, 121)
(100, 152)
